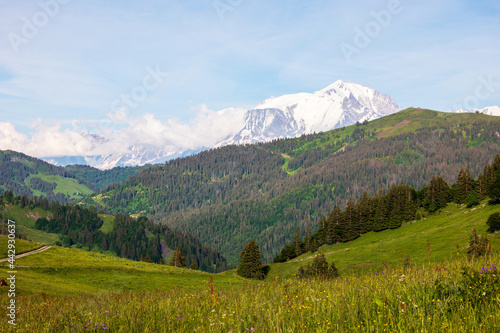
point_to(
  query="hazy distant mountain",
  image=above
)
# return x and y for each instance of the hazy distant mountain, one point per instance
(489, 110)
(340, 104)
(138, 157)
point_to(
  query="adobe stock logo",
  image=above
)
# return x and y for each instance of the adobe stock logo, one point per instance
(30, 28)
(222, 6)
(484, 90)
(371, 30)
(140, 92)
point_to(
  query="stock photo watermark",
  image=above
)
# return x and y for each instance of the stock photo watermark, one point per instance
(485, 88)
(11, 280)
(152, 80)
(31, 26)
(224, 6)
(363, 36)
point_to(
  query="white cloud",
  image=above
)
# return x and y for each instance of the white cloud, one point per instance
(118, 133)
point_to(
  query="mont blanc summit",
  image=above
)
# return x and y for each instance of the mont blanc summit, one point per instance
(339, 104)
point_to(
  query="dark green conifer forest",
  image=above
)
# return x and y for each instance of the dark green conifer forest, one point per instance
(390, 210)
(131, 238)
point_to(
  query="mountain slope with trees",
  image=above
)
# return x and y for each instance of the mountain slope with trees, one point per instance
(102, 178)
(25, 175)
(391, 210)
(77, 226)
(229, 195)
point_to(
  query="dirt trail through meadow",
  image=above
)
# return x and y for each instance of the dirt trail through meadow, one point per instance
(43, 248)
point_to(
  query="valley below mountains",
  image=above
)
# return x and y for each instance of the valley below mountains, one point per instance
(232, 194)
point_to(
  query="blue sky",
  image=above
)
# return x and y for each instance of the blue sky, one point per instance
(84, 56)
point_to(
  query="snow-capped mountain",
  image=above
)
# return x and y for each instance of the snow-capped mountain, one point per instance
(339, 104)
(489, 110)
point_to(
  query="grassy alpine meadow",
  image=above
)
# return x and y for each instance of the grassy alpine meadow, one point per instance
(62, 271)
(438, 290)
(462, 296)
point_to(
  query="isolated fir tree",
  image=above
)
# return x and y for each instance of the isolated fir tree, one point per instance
(332, 271)
(478, 246)
(194, 266)
(493, 222)
(250, 265)
(318, 268)
(179, 259)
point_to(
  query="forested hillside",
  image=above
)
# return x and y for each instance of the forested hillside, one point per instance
(230, 195)
(102, 178)
(80, 227)
(401, 204)
(25, 175)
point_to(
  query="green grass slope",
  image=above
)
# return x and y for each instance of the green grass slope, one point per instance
(409, 120)
(25, 219)
(21, 246)
(446, 232)
(62, 271)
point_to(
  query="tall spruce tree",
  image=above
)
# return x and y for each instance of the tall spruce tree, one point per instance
(307, 240)
(464, 186)
(351, 224)
(322, 231)
(364, 211)
(379, 212)
(178, 259)
(437, 193)
(250, 265)
(296, 243)
(194, 265)
(334, 234)
(493, 222)
(477, 246)
(494, 182)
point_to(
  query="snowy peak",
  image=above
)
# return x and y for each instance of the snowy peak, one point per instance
(339, 104)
